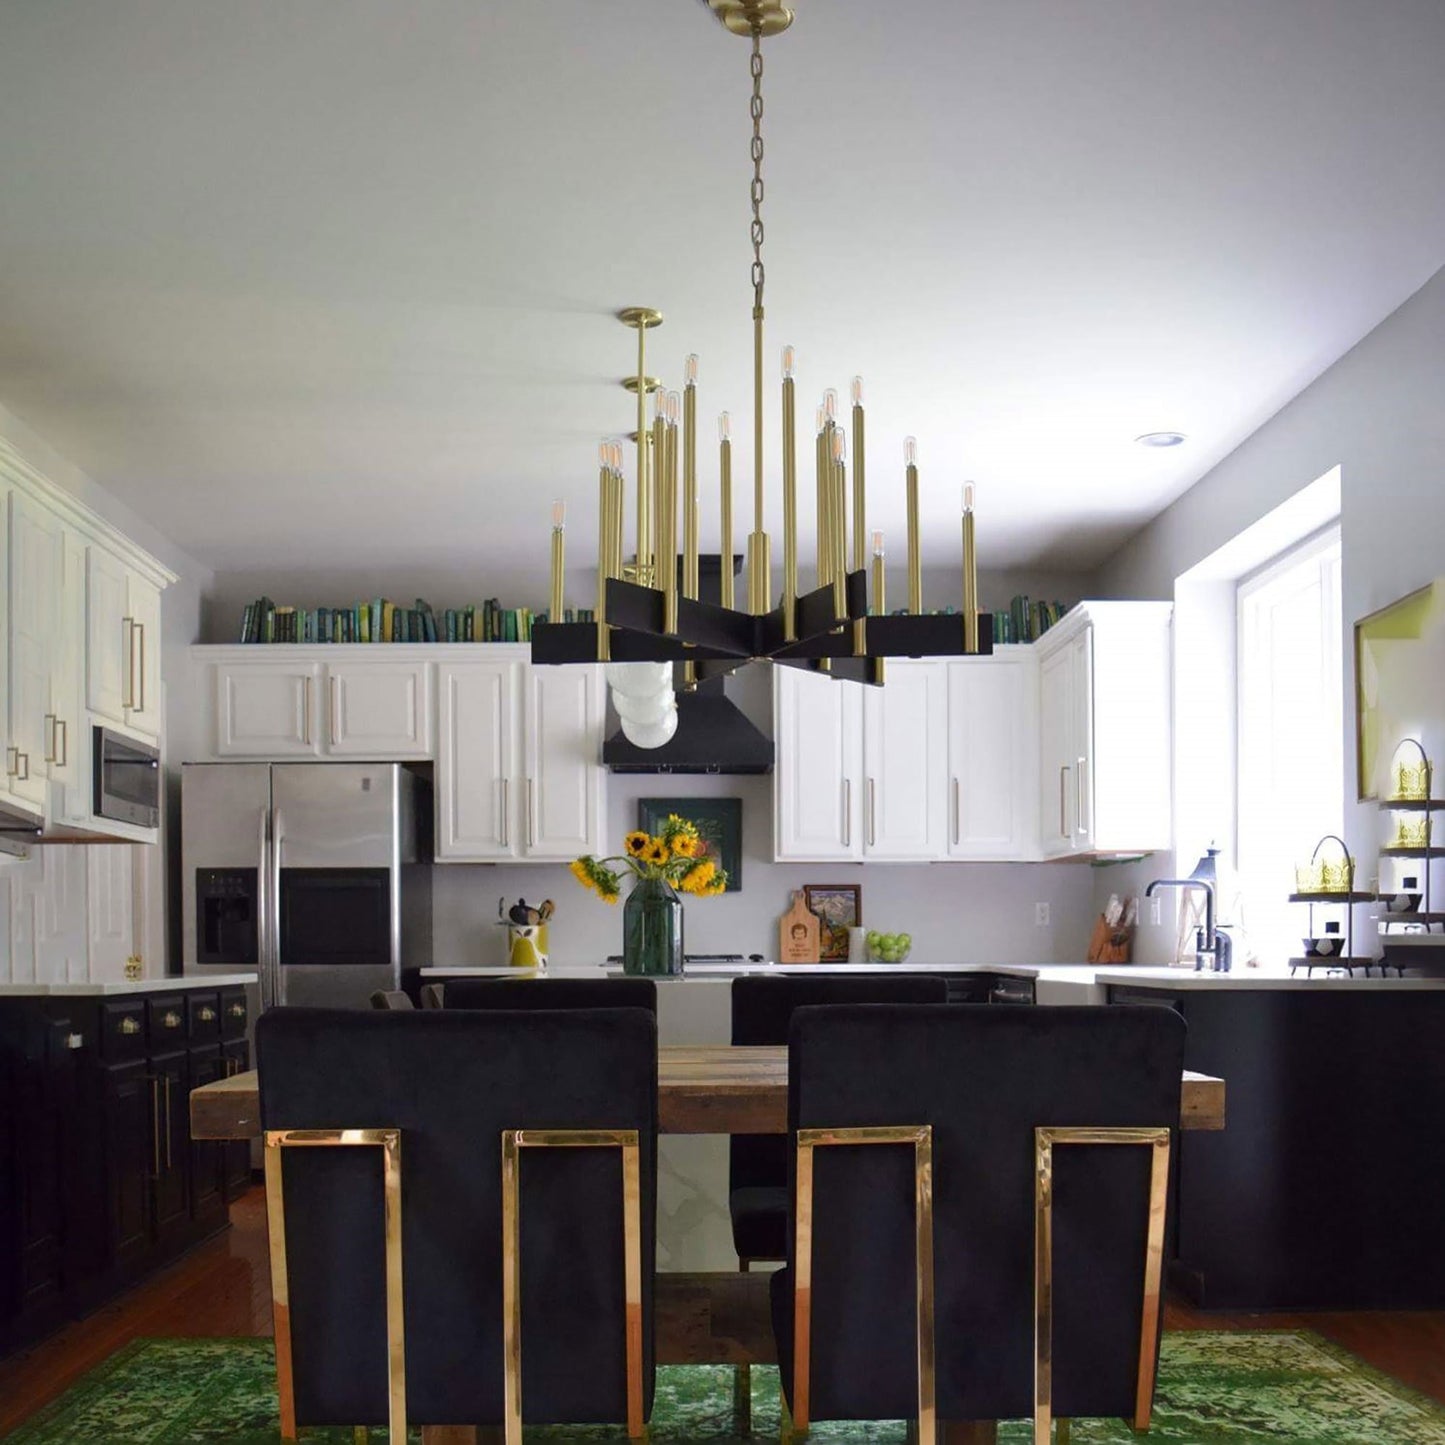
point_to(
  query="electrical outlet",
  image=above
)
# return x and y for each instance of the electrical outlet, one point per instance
(1041, 915)
(1156, 911)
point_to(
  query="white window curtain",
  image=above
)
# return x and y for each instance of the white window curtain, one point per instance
(1291, 734)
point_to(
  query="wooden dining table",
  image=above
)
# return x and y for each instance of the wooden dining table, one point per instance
(700, 1318)
(701, 1089)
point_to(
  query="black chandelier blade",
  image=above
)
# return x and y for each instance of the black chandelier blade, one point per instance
(720, 640)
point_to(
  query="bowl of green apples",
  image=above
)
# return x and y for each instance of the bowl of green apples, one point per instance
(888, 947)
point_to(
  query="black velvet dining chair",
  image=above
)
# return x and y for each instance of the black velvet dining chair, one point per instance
(762, 1009)
(488, 1193)
(550, 993)
(961, 1175)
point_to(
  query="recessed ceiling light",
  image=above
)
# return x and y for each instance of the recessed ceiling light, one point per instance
(1161, 439)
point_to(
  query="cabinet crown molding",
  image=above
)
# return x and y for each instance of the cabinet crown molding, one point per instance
(83, 518)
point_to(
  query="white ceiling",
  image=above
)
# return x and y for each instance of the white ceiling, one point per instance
(305, 282)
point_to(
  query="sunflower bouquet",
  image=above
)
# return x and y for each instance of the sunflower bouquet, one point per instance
(674, 854)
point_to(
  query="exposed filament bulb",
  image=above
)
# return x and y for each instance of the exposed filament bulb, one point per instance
(724, 427)
(830, 404)
(789, 358)
(559, 515)
(910, 451)
(857, 391)
(878, 544)
(689, 370)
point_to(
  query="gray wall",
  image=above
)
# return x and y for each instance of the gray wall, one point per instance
(1379, 414)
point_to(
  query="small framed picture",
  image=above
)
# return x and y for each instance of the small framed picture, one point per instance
(839, 907)
(719, 825)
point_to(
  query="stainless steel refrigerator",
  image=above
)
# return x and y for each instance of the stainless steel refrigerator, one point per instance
(315, 875)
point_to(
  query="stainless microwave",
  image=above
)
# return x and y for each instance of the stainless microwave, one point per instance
(127, 780)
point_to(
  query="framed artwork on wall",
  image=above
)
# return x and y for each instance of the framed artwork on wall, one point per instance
(839, 907)
(719, 825)
(1399, 684)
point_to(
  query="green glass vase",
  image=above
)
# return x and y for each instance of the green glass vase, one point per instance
(652, 930)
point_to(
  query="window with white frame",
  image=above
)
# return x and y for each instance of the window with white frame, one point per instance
(1291, 733)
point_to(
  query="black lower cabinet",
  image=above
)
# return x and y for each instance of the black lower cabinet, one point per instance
(1324, 1190)
(100, 1181)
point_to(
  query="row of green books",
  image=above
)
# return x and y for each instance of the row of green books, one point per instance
(1025, 620)
(383, 621)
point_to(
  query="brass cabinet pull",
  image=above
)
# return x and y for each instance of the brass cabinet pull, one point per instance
(206, 1014)
(166, 1084)
(506, 809)
(237, 1010)
(64, 731)
(1063, 821)
(957, 834)
(306, 711)
(128, 701)
(1079, 798)
(22, 758)
(129, 1025)
(531, 827)
(847, 812)
(75, 1041)
(140, 627)
(872, 813)
(50, 721)
(171, 1019)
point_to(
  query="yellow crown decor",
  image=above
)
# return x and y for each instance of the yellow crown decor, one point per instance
(1412, 832)
(674, 858)
(1410, 780)
(1326, 875)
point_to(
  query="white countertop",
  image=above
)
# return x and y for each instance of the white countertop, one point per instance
(1261, 979)
(1082, 974)
(113, 987)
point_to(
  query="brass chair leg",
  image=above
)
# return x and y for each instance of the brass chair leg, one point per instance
(513, 1142)
(1062, 1433)
(1157, 1141)
(743, 1383)
(921, 1138)
(360, 1435)
(789, 1433)
(389, 1142)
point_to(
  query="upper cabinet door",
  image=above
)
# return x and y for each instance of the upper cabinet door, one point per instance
(70, 757)
(477, 802)
(817, 777)
(143, 712)
(266, 710)
(379, 709)
(905, 762)
(109, 644)
(34, 584)
(1081, 666)
(1058, 754)
(993, 760)
(564, 784)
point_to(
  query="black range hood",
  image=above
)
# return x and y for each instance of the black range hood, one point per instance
(713, 735)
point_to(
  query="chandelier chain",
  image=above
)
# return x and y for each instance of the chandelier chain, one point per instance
(756, 151)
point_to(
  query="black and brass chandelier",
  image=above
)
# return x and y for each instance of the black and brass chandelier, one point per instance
(648, 610)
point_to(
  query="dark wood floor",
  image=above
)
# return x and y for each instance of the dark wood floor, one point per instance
(223, 1288)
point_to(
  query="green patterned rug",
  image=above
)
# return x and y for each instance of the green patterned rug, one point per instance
(1214, 1389)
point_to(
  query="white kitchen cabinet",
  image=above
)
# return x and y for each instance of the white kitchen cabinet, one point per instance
(564, 782)
(122, 643)
(477, 761)
(267, 709)
(1105, 730)
(993, 756)
(33, 613)
(379, 709)
(144, 600)
(905, 755)
(818, 769)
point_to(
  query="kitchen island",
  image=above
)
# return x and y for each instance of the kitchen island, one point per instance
(1325, 1191)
